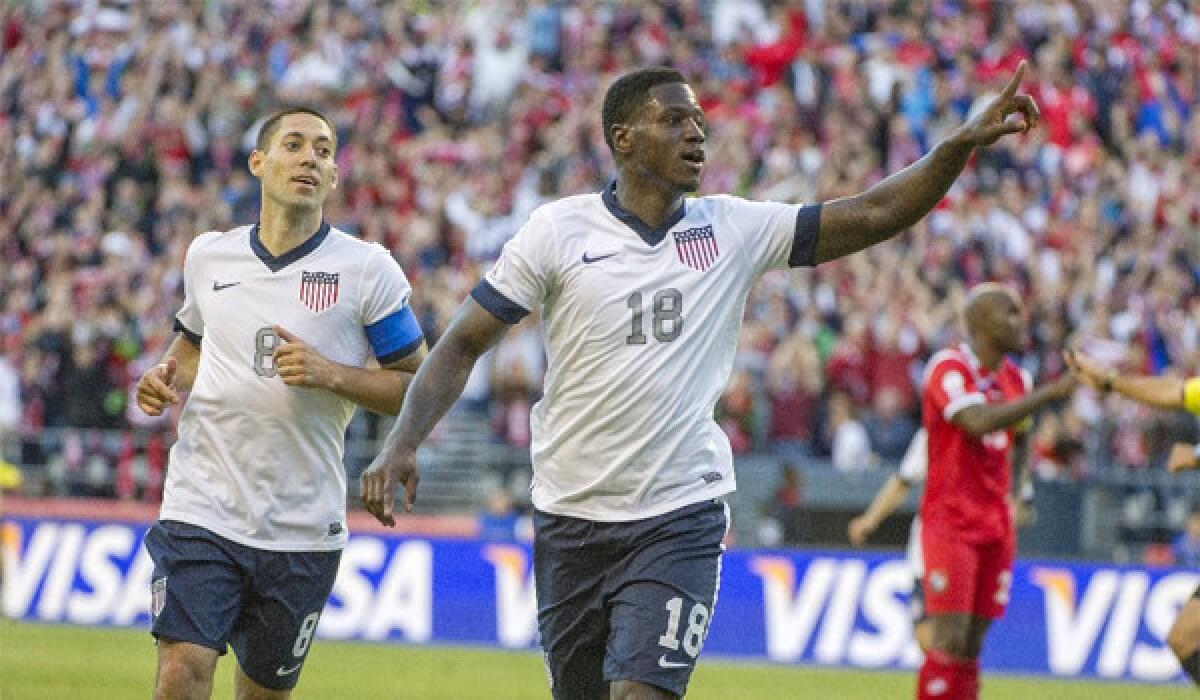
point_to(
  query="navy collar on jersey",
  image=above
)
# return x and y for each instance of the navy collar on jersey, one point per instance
(275, 264)
(651, 235)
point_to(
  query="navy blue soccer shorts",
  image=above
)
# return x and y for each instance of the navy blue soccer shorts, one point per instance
(627, 600)
(209, 591)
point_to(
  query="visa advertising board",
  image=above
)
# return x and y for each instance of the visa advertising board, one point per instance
(810, 607)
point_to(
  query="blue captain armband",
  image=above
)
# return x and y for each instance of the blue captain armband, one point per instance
(395, 337)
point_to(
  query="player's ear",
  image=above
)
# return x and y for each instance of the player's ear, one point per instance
(255, 162)
(622, 139)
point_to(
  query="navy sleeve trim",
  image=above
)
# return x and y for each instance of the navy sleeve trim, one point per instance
(401, 353)
(497, 304)
(804, 244)
(193, 338)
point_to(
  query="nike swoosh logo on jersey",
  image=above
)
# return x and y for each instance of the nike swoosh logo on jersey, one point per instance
(219, 287)
(281, 671)
(663, 663)
(598, 258)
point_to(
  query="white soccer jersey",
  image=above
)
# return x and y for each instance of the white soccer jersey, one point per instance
(914, 468)
(640, 328)
(257, 461)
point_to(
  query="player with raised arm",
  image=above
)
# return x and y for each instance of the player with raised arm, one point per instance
(974, 400)
(641, 292)
(912, 472)
(285, 326)
(1171, 393)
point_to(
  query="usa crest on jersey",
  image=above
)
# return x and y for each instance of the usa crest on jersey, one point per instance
(318, 290)
(697, 247)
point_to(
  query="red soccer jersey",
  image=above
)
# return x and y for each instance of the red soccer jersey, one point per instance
(969, 478)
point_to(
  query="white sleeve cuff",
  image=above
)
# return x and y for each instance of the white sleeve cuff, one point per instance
(962, 402)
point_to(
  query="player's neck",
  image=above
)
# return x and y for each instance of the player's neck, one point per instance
(283, 228)
(989, 357)
(647, 201)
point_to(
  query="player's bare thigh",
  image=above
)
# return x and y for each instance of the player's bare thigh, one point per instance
(247, 689)
(1184, 637)
(632, 690)
(185, 670)
(951, 633)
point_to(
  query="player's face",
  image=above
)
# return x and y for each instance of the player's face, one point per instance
(1008, 328)
(668, 136)
(297, 169)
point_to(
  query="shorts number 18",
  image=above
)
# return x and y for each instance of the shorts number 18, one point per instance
(693, 636)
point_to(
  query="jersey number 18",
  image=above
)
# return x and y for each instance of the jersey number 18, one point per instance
(667, 316)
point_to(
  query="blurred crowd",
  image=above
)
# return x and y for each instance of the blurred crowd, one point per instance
(125, 127)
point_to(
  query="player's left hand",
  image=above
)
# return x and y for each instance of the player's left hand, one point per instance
(298, 364)
(1181, 458)
(993, 121)
(393, 466)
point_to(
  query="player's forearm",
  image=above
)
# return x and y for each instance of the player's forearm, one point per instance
(851, 224)
(377, 389)
(981, 419)
(434, 389)
(187, 358)
(1160, 392)
(887, 500)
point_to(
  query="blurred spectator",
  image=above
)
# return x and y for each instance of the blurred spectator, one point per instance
(498, 522)
(10, 405)
(851, 445)
(787, 506)
(1057, 448)
(889, 427)
(740, 413)
(793, 383)
(1186, 546)
(517, 367)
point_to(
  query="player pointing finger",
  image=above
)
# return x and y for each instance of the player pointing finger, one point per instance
(156, 388)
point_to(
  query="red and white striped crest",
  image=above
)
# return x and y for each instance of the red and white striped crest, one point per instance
(697, 247)
(319, 290)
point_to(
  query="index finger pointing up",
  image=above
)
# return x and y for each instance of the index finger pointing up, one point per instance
(285, 334)
(1015, 81)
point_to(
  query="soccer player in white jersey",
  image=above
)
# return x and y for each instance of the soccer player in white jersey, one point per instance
(285, 326)
(641, 292)
(911, 474)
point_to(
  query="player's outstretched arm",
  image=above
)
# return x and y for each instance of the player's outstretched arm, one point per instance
(437, 385)
(886, 501)
(1159, 392)
(850, 224)
(159, 387)
(983, 418)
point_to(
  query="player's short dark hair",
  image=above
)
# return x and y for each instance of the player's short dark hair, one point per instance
(628, 93)
(270, 126)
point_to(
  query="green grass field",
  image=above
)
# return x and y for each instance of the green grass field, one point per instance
(42, 662)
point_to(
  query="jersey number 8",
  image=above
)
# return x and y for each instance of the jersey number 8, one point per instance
(667, 316)
(265, 343)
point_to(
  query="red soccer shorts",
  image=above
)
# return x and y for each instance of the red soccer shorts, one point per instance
(966, 578)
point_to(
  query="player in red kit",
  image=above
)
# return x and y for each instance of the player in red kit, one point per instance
(974, 398)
